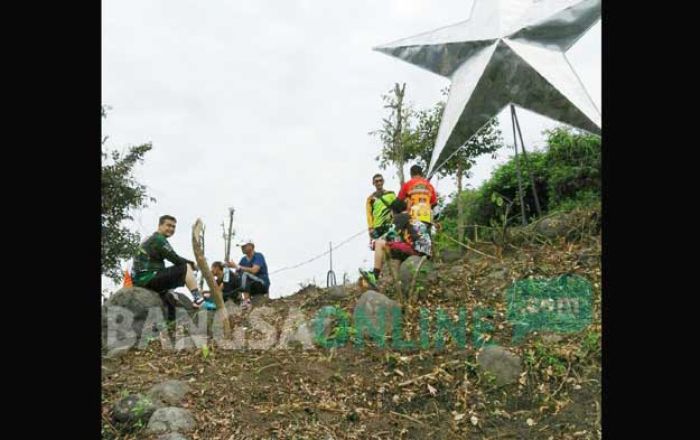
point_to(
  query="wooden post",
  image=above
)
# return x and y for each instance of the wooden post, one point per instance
(208, 276)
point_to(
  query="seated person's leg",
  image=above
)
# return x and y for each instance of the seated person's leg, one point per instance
(169, 278)
(257, 291)
(379, 249)
(400, 250)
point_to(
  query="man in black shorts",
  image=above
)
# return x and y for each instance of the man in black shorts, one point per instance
(149, 269)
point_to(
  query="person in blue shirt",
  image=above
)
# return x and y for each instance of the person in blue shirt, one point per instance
(252, 272)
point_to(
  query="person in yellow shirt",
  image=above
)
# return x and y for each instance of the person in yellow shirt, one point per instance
(377, 206)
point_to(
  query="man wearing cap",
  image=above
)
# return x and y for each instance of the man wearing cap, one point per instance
(252, 268)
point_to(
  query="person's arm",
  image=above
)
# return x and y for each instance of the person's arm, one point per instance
(412, 233)
(433, 196)
(402, 193)
(254, 270)
(256, 265)
(370, 217)
(169, 254)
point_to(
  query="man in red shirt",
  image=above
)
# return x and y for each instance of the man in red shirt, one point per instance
(420, 196)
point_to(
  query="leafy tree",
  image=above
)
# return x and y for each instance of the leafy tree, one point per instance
(397, 135)
(121, 195)
(487, 140)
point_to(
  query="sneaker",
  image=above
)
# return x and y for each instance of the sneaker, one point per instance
(197, 302)
(246, 304)
(369, 277)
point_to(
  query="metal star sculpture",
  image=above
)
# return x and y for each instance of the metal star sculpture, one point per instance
(508, 51)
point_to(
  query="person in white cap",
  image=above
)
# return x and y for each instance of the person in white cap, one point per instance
(254, 279)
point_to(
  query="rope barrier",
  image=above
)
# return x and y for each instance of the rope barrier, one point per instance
(363, 231)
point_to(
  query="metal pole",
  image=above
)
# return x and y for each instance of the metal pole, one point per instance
(517, 166)
(330, 276)
(527, 165)
(228, 238)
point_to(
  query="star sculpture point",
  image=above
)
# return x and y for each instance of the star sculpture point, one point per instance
(507, 51)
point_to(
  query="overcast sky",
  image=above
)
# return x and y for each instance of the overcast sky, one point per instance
(266, 105)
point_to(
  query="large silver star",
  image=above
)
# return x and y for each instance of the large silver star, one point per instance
(508, 51)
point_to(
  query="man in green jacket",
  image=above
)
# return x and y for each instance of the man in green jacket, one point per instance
(149, 269)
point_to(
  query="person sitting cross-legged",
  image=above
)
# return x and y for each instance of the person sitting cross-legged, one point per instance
(252, 277)
(406, 237)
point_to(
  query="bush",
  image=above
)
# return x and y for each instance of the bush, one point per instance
(566, 176)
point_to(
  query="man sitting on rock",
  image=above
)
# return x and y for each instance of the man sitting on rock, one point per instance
(252, 277)
(149, 269)
(406, 237)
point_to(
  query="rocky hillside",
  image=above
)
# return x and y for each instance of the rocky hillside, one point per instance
(497, 374)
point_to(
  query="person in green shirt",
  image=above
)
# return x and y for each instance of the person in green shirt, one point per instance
(149, 269)
(377, 208)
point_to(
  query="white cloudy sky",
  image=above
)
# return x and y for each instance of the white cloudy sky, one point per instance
(266, 105)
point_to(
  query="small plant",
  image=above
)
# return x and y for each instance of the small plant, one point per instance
(141, 406)
(500, 200)
(590, 343)
(205, 351)
(546, 356)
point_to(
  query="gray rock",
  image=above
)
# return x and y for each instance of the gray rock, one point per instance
(499, 273)
(134, 408)
(504, 365)
(451, 294)
(551, 338)
(137, 301)
(182, 300)
(170, 419)
(337, 292)
(456, 272)
(589, 258)
(172, 436)
(305, 334)
(419, 281)
(451, 255)
(171, 392)
(377, 308)
(555, 226)
(117, 352)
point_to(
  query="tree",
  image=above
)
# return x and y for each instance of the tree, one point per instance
(397, 135)
(121, 195)
(487, 140)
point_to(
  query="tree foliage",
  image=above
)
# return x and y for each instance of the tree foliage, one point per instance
(567, 175)
(121, 195)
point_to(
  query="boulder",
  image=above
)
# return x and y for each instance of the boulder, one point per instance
(377, 308)
(417, 273)
(504, 365)
(134, 408)
(171, 392)
(170, 419)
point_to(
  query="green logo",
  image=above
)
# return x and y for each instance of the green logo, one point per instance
(561, 305)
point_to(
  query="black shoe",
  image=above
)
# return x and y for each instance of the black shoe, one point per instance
(197, 302)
